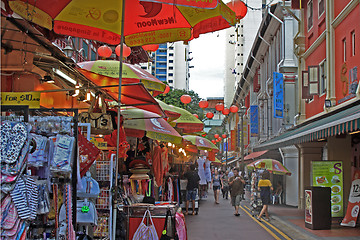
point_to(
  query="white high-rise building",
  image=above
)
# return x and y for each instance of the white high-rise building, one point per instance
(170, 63)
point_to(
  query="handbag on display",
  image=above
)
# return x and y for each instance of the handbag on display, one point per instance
(88, 153)
(90, 187)
(101, 123)
(86, 213)
(144, 232)
(164, 235)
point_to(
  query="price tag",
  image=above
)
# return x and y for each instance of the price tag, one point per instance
(32, 99)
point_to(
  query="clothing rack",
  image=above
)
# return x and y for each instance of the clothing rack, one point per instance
(20, 109)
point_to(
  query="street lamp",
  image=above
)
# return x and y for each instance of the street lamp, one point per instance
(241, 113)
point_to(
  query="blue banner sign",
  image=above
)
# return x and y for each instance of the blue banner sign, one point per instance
(225, 146)
(254, 121)
(278, 95)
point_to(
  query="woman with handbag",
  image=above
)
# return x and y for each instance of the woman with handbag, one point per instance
(264, 186)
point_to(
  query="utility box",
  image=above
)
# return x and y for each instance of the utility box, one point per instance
(318, 208)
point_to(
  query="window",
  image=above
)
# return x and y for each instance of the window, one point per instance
(353, 43)
(170, 81)
(313, 80)
(171, 48)
(93, 55)
(171, 74)
(171, 61)
(309, 14)
(171, 54)
(344, 49)
(321, 7)
(171, 68)
(323, 79)
(86, 49)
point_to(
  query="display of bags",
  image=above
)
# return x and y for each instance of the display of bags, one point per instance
(101, 123)
(164, 235)
(88, 153)
(145, 232)
(90, 187)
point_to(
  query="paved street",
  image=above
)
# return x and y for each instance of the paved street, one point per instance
(216, 221)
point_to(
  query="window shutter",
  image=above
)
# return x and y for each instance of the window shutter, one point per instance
(305, 85)
(313, 73)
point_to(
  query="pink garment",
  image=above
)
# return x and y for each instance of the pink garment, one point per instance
(165, 160)
(180, 226)
(157, 166)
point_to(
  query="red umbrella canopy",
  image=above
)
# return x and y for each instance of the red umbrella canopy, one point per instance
(130, 73)
(145, 22)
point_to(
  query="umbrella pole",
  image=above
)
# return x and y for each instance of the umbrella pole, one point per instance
(115, 199)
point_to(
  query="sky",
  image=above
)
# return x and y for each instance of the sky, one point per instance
(206, 78)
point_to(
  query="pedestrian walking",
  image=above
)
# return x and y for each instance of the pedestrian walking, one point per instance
(225, 184)
(236, 184)
(192, 185)
(216, 183)
(265, 188)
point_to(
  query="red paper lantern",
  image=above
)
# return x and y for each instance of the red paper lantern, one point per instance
(213, 141)
(234, 109)
(204, 135)
(197, 116)
(203, 104)
(151, 47)
(219, 107)
(216, 136)
(167, 89)
(226, 111)
(239, 7)
(224, 136)
(219, 138)
(126, 50)
(209, 115)
(104, 51)
(185, 99)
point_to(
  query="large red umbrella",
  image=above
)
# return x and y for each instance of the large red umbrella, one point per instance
(145, 22)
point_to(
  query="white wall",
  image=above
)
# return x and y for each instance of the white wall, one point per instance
(291, 162)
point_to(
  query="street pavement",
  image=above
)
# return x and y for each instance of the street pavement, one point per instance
(217, 222)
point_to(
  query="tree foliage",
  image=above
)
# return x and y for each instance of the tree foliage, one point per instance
(173, 98)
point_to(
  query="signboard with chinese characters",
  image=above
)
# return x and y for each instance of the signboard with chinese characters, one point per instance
(254, 121)
(330, 174)
(278, 95)
(233, 140)
(31, 99)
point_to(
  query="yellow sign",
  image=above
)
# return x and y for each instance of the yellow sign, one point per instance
(32, 99)
(99, 145)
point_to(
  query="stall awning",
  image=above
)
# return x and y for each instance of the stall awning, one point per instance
(343, 121)
(254, 155)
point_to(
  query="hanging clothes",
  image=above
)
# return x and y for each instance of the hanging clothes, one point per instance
(170, 191)
(201, 170)
(207, 170)
(157, 164)
(165, 159)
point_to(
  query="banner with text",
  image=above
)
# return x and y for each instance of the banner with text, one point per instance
(254, 121)
(278, 95)
(31, 99)
(353, 208)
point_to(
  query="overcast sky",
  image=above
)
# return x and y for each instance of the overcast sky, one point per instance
(206, 78)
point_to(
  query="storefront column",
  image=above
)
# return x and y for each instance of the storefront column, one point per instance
(307, 152)
(291, 184)
(339, 149)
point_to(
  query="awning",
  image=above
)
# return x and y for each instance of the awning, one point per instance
(233, 160)
(254, 155)
(343, 121)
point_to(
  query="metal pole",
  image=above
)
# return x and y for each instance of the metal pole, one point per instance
(115, 199)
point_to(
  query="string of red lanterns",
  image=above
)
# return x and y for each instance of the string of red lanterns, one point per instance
(224, 136)
(105, 51)
(216, 135)
(197, 116)
(225, 111)
(219, 107)
(203, 104)
(185, 99)
(234, 109)
(151, 47)
(209, 115)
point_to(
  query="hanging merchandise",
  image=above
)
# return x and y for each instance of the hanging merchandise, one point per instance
(63, 154)
(89, 187)
(43, 197)
(88, 153)
(101, 123)
(180, 226)
(145, 232)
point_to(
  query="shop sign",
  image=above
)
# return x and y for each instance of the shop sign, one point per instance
(233, 140)
(278, 95)
(99, 145)
(31, 99)
(330, 174)
(254, 121)
(349, 82)
(308, 206)
(354, 202)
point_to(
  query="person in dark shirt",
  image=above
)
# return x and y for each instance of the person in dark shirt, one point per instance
(193, 183)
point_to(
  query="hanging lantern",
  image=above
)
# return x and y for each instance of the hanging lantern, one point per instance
(167, 89)
(203, 104)
(216, 136)
(197, 116)
(219, 138)
(209, 115)
(185, 99)
(104, 51)
(204, 135)
(234, 109)
(225, 111)
(151, 47)
(239, 7)
(219, 107)
(126, 50)
(213, 141)
(224, 136)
